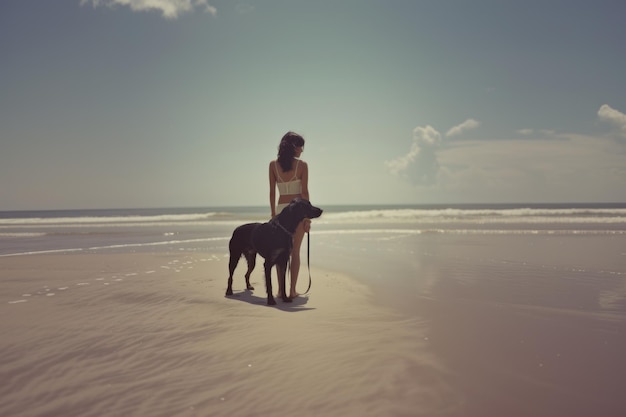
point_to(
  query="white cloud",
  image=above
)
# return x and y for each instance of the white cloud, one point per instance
(463, 127)
(419, 166)
(170, 9)
(572, 168)
(552, 167)
(614, 117)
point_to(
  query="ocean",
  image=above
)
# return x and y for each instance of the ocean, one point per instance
(209, 228)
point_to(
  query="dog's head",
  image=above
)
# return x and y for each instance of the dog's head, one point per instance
(303, 209)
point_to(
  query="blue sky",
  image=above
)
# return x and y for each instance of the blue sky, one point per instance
(152, 103)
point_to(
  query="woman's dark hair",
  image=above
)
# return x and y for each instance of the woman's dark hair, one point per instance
(287, 149)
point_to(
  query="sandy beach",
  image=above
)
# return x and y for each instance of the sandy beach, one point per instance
(480, 326)
(154, 335)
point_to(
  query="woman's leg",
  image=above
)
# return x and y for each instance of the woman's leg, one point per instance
(295, 258)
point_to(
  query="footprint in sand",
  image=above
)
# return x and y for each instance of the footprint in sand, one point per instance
(46, 291)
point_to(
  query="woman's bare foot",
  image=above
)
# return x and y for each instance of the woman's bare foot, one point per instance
(293, 295)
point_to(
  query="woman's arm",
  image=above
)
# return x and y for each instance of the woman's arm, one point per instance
(272, 191)
(304, 181)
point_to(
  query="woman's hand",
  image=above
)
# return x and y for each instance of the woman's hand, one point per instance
(307, 225)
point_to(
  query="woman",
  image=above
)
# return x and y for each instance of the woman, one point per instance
(291, 176)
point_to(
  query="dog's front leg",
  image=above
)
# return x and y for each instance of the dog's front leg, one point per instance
(281, 271)
(268, 283)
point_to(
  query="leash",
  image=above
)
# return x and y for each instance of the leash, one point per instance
(308, 259)
(277, 223)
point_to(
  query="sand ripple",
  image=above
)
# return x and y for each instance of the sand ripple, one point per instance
(166, 343)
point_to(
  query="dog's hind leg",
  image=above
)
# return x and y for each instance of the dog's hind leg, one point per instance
(268, 283)
(232, 264)
(251, 259)
(281, 271)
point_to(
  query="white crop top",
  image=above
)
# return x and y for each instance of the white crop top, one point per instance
(291, 187)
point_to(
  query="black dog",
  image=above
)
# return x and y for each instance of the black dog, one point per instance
(273, 241)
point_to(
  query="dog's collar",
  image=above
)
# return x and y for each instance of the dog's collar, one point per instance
(280, 226)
